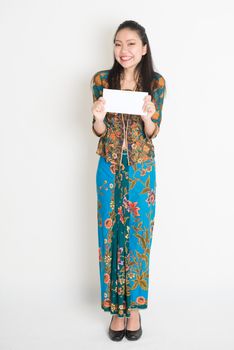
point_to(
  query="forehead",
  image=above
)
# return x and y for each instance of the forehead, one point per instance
(126, 34)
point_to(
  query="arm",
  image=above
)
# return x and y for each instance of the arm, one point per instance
(151, 129)
(98, 127)
(157, 99)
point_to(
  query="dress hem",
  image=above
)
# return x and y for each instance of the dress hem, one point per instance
(108, 309)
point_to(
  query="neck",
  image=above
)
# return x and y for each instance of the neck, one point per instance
(128, 74)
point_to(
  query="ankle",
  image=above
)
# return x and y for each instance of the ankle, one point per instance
(134, 312)
(116, 317)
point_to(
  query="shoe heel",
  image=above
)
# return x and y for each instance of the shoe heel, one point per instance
(115, 335)
(134, 335)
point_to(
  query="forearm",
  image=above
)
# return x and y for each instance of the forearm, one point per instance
(151, 128)
(99, 127)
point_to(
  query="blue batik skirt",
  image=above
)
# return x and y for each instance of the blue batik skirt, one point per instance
(126, 209)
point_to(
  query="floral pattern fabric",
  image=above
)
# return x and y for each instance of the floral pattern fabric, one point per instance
(126, 207)
(139, 146)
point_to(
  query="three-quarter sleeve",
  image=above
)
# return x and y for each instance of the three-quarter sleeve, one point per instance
(157, 99)
(97, 89)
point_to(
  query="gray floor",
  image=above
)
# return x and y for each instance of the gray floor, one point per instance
(186, 321)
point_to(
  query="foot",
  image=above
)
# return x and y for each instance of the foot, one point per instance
(133, 320)
(118, 323)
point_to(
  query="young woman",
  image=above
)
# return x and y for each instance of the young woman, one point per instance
(126, 180)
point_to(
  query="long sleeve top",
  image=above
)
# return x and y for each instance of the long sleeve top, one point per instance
(128, 127)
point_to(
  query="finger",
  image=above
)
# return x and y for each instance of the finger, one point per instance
(144, 107)
(99, 106)
(101, 99)
(147, 99)
(145, 103)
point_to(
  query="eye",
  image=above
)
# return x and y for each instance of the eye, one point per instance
(117, 44)
(132, 43)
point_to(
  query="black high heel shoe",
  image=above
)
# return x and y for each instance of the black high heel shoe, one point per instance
(134, 335)
(116, 335)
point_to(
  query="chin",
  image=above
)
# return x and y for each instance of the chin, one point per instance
(127, 64)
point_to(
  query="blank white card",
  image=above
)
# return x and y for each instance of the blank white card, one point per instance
(120, 101)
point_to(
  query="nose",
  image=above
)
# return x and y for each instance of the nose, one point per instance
(123, 49)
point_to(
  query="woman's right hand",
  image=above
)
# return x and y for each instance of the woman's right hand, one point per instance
(98, 109)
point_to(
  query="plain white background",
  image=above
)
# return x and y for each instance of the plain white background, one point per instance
(49, 277)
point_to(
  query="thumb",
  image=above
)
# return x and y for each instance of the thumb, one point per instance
(102, 99)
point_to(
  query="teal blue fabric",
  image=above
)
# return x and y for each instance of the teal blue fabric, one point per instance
(126, 208)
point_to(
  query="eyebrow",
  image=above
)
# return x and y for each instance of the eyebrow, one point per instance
(127, 40)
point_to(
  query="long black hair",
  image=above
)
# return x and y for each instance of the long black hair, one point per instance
(144, 69)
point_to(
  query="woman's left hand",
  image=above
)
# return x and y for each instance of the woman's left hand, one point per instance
(148, 107)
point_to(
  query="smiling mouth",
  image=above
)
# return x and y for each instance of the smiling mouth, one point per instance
(125, 59)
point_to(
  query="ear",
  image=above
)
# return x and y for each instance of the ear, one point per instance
(144, 50)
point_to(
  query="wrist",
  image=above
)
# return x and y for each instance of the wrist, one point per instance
(146, 119)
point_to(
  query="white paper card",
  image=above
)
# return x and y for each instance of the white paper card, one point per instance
(120, 101)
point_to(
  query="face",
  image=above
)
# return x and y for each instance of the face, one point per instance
(128, 48)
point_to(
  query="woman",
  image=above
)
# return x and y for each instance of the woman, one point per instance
(126, 180)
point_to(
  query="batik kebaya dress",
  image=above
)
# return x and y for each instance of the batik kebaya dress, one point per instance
(126, 208)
